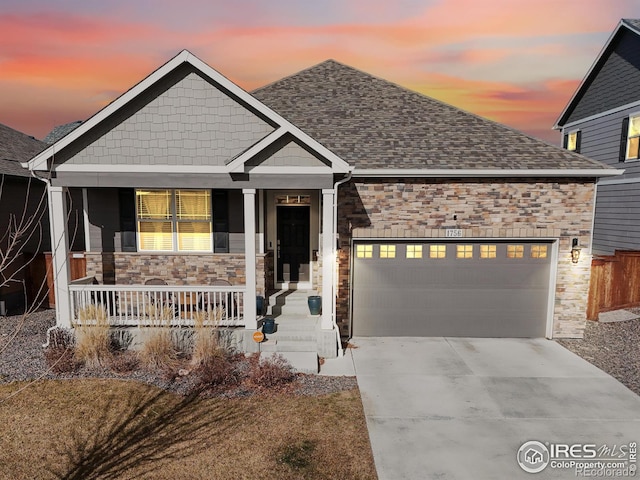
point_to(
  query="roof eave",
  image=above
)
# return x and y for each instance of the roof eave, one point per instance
(487, 173)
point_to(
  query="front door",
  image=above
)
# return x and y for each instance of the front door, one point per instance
(293, 244)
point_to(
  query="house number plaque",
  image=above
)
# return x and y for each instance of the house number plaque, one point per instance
(453, 232)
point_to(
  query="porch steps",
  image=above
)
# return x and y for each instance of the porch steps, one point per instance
(295, 337)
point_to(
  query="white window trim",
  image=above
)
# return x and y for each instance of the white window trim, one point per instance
(174, 223)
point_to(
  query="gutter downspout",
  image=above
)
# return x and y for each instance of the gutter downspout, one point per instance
(48, 184)
(335, 258)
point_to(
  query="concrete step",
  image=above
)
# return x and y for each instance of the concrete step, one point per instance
(295, 323)
(302, 362)
(289, 302)
(284, 345)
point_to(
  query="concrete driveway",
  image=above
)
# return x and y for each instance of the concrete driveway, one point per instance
(460, 408)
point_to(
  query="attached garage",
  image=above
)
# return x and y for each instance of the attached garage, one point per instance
(483, 288)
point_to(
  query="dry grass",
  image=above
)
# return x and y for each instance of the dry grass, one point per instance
(158, 351)
(205, 346)
(89, 429)
(93, 339)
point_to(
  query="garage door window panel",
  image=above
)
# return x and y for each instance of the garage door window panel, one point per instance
(515, 251)
(364, 251)
(387, 251)
(538, 251)
(464, 251)
(414, 251)
(437, 251)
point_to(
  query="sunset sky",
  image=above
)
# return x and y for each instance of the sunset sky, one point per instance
(514, 61)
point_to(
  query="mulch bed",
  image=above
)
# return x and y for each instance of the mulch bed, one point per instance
(22, 359)
(613, 348)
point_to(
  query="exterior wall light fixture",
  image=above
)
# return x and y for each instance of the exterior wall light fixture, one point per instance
(575, 251)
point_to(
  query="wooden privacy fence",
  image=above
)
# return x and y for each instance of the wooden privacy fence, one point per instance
(77, 267)
(615, 283)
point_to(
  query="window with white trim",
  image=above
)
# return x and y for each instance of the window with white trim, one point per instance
(633, 138)
(174, 220)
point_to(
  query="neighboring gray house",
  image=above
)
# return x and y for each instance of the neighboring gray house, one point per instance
(408, 216)
(602, 122)
(23, 201)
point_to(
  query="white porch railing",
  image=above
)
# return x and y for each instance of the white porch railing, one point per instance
(154, 305)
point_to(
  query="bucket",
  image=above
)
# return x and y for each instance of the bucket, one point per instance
(315, 304)
(268, 325)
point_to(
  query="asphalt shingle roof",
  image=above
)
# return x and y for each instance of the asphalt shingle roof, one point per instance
(372, 123)
(60, 131)
(16, 147)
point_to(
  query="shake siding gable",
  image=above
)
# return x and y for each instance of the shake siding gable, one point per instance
(191, 123)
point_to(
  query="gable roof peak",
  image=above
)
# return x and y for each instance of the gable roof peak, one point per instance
(633, 23)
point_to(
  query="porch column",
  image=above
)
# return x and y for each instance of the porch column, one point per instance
(250, 320)
(60, 254)
(328, 258)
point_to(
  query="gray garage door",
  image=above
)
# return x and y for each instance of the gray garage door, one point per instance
(469, 289)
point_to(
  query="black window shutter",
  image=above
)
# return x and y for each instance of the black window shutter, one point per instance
(565, 140)
(623, 139)
(578, 140)
(220, 221)
(126, 197)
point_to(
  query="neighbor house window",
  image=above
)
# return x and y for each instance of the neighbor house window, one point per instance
(573, 141)
(633, 138)
(515, 251)
(437, 251)
(464, 251)
(364, 251)
(387, 251)
(174, 220)
(414, 251)
(487, 251)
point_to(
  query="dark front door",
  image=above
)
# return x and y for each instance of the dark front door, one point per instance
(293, 244)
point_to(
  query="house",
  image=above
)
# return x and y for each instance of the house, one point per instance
(602, 122)
(24, 223)
(408, 216)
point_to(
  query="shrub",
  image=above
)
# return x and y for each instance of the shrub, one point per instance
(59, 354)
(93, 339)
(218, 371)
(271, 372)
(124, 362)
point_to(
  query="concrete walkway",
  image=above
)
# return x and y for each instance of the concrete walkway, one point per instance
(456, 408)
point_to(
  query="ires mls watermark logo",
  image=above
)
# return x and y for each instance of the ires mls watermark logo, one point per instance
(585, 459)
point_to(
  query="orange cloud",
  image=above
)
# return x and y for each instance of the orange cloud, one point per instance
(64, 66)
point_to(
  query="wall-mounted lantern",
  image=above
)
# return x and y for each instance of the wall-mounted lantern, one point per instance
(575, 251)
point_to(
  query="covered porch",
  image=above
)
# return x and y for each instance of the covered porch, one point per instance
(144, 288)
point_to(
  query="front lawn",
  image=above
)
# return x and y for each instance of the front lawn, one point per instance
(90, 428)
